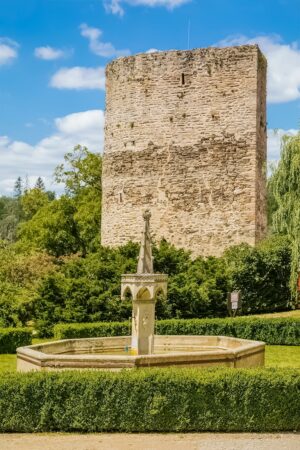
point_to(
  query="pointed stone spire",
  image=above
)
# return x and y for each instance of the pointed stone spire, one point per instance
(145, 264)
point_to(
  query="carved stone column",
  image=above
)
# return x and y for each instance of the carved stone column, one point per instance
(144, 286)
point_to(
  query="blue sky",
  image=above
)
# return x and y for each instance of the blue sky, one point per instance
(53, 54)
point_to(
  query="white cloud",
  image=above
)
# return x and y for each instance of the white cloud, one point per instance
(105, 49)
(20, 158)
(115, 6)
(79, 78)
(49, 53)
(152, 50)
(78, 123)
(283, 65)
(8, 51)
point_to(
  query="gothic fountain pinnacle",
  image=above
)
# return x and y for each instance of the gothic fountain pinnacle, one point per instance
(144, 287)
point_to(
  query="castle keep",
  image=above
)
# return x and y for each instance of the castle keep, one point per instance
(185, 136)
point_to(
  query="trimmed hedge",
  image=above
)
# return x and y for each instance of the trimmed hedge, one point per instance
(166, 400)
(276, 331)
(11, 338)
(86, 330)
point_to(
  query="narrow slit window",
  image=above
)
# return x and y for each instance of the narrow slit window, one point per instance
(182, 79)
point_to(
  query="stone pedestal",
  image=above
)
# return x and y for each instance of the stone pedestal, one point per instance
(144, 289)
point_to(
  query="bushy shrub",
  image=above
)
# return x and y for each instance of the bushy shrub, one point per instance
(262, 274)
(279, 331)
(11, 338)
(165, 400)
(20, 273)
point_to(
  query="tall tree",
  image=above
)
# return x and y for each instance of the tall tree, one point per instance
(18, 188)
(81, 170)
(9, 218)
(81, 174)
(40, 184)
(70, 223)
(284, 187)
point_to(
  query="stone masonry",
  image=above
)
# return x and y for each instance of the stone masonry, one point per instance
(185, 136)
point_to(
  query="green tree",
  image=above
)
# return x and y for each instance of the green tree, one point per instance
(70, 223)
(81, 174)
(32, 201)
(82, 169)
(40, 184)
(284, 187)
(53, 228)
(18, 188)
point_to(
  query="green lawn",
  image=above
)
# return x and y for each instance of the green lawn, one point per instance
(7, 362)
(276, 356)
(294, 314)
(283, 356)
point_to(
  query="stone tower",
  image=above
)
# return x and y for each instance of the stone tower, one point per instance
(185, 136)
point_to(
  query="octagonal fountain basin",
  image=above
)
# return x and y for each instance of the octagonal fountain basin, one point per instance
(114, 353)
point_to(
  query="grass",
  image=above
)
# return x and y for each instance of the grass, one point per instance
(294, 313)
(8, 362)
(276, 356)
(282, 356)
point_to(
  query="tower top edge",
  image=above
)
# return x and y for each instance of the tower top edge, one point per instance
(246, 49)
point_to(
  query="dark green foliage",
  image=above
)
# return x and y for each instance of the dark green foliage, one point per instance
(196, 288)
(281, 331)
(51, 306)
(88, 289)
(11, 338)
(165, 400)
(262, 274)
(85, 290)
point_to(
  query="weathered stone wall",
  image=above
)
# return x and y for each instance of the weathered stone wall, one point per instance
(185, 136)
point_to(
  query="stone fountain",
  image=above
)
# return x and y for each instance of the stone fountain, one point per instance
(142, 348)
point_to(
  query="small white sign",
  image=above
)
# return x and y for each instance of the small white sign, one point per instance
(234, 297)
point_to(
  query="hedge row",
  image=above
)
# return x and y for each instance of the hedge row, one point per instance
(11, 338)
(276, 331)
(87, 330)
(166, 400)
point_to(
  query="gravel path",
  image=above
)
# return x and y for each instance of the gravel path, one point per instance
(107, 441)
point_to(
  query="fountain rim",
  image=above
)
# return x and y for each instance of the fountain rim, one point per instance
(34, 351)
